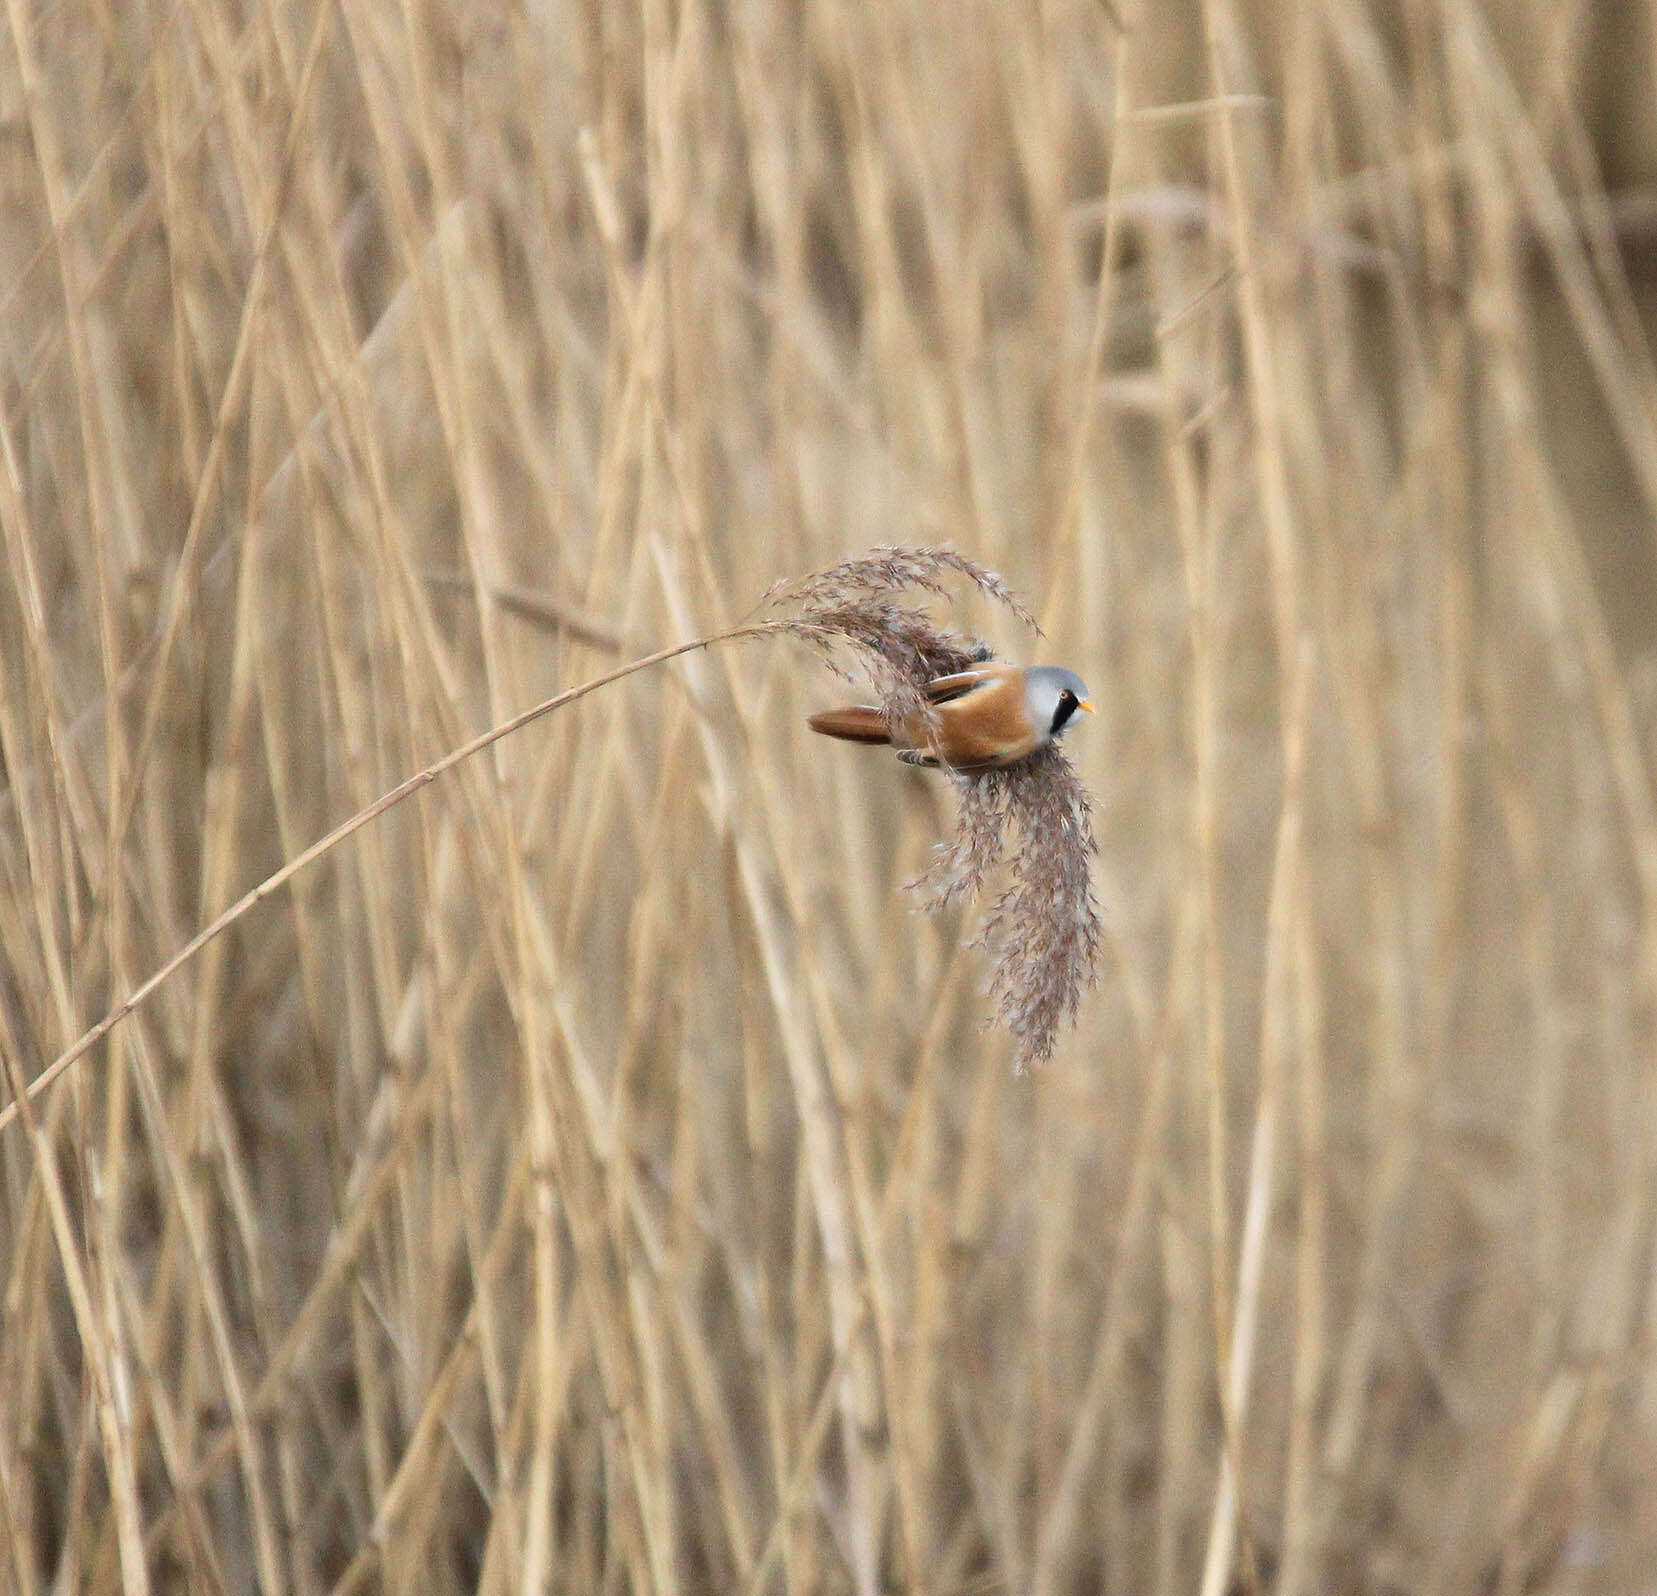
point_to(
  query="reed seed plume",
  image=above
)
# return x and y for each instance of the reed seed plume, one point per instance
(892, 568)
(899, 645)
(1042, 932)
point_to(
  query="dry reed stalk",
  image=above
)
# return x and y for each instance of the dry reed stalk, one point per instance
(1044, 931)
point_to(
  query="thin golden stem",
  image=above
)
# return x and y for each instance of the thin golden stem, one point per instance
(406, 789)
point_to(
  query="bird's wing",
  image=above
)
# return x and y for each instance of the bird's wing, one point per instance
(945, 689)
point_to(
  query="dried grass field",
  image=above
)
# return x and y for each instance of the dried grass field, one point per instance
(594, 1174)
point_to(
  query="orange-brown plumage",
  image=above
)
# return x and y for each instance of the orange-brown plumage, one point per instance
(993, 714)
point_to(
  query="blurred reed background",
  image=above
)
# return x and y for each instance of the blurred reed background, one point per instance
(594, 1177)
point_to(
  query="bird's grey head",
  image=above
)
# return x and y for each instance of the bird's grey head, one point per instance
(1052, 695)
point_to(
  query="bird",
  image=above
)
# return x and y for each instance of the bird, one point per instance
(984, 718)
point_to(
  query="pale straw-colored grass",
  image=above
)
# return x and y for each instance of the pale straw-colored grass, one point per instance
(593, 1174)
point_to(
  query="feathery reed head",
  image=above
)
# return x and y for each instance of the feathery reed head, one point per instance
(899, 646)
(1042, 932)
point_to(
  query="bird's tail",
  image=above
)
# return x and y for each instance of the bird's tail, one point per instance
(859, 723)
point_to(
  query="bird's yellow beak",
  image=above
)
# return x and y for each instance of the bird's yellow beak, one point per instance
(1085, 703)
